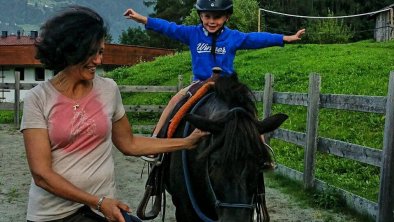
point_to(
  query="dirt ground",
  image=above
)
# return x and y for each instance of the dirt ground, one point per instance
(15, 179)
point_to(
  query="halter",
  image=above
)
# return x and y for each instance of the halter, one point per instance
(218, 203)
(256, 204)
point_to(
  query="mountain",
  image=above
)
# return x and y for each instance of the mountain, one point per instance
(28, 15)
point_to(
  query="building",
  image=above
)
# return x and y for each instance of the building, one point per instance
(17, 55)
(384, 24)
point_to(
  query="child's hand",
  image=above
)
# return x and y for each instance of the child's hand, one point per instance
(299, 34)
(131, 14)
(294, 37)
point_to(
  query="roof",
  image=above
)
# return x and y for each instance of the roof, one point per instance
(18, 55)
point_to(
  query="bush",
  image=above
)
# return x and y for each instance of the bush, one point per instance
(6, 117)
(328, 199)
(328, 31)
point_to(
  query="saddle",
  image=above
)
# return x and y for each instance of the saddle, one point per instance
(154, 187)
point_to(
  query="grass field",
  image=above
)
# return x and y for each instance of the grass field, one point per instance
(360, 68)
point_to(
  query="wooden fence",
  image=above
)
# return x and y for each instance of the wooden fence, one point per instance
(310, 141)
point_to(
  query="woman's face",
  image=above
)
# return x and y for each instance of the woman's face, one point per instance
(87, 70)
(213, 21)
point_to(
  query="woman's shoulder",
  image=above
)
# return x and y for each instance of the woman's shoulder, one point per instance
(104, 81)
(40, 89)
(105, 85)
(40, 94)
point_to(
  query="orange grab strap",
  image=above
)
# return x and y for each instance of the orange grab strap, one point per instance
(185, 108)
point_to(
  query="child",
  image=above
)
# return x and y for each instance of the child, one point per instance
(211, 43)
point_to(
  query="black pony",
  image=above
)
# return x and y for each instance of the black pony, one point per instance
(222, 179)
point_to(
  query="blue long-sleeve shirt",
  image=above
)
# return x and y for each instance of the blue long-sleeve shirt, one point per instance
(227, 43)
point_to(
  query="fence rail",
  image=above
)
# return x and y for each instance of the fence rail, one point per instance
(338, 148)
(22, 86)
(150, 89)
(310, 141)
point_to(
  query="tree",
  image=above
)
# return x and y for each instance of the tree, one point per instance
(329, 31)
(245, 16)
(134, 36)
(171, 10)
(108, 38)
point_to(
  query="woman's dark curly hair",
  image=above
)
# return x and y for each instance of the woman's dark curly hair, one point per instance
(70, 37)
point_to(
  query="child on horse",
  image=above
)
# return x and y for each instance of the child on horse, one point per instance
(211, 43)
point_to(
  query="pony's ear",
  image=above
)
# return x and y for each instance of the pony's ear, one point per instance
(271, 123)
(204, 124)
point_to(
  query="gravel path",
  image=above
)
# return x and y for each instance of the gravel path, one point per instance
(15, 179)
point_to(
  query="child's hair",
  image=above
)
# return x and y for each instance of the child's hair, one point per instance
(225, 6)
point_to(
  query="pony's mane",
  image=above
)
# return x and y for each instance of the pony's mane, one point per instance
(242, 143)
(234, 93)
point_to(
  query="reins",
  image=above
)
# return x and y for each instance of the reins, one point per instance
(185, 167)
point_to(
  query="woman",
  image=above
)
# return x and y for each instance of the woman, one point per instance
(71, 121)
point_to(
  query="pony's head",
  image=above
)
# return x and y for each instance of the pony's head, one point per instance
(235, 157)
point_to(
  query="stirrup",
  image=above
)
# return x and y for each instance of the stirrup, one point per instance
(154, 160)
(151, 158)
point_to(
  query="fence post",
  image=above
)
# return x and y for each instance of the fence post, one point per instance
(180, 82)
(268, 99)
(385, 204)
(268, 96)
(259, 21)
(17, 98)
(311, 130)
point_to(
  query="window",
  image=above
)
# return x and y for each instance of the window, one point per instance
(39, 74)
(21, 73)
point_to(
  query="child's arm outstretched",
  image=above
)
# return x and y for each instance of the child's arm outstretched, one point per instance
(295, 37)
(131, 14)
(172, 30)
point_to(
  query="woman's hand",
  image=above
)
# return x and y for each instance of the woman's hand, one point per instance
(131, 14)
(111, 209)
(195, 137)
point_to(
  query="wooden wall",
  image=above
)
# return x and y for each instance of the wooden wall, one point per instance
(114, 55)
(384, 26)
